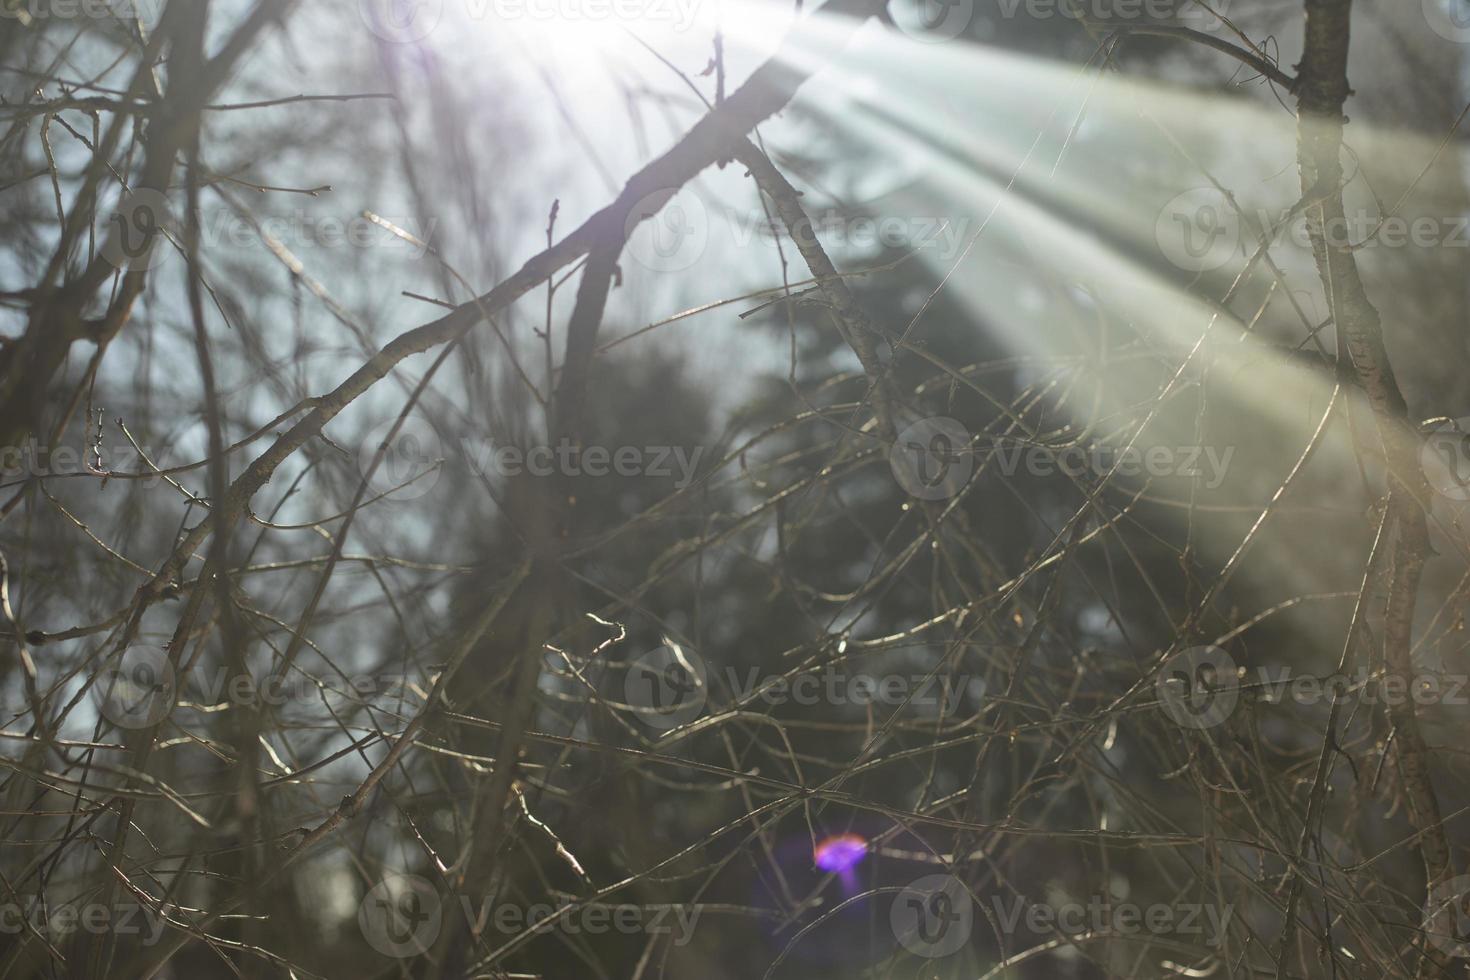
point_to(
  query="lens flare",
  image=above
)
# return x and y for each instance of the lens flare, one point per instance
(840, 854)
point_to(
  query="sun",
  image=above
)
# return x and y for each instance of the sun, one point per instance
(564, 31)
(579, 39)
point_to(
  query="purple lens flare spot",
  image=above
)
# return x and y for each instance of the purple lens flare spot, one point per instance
(840, 854)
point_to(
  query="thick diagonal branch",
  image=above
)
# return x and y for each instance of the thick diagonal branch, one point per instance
(858, 330)
(712, 139)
